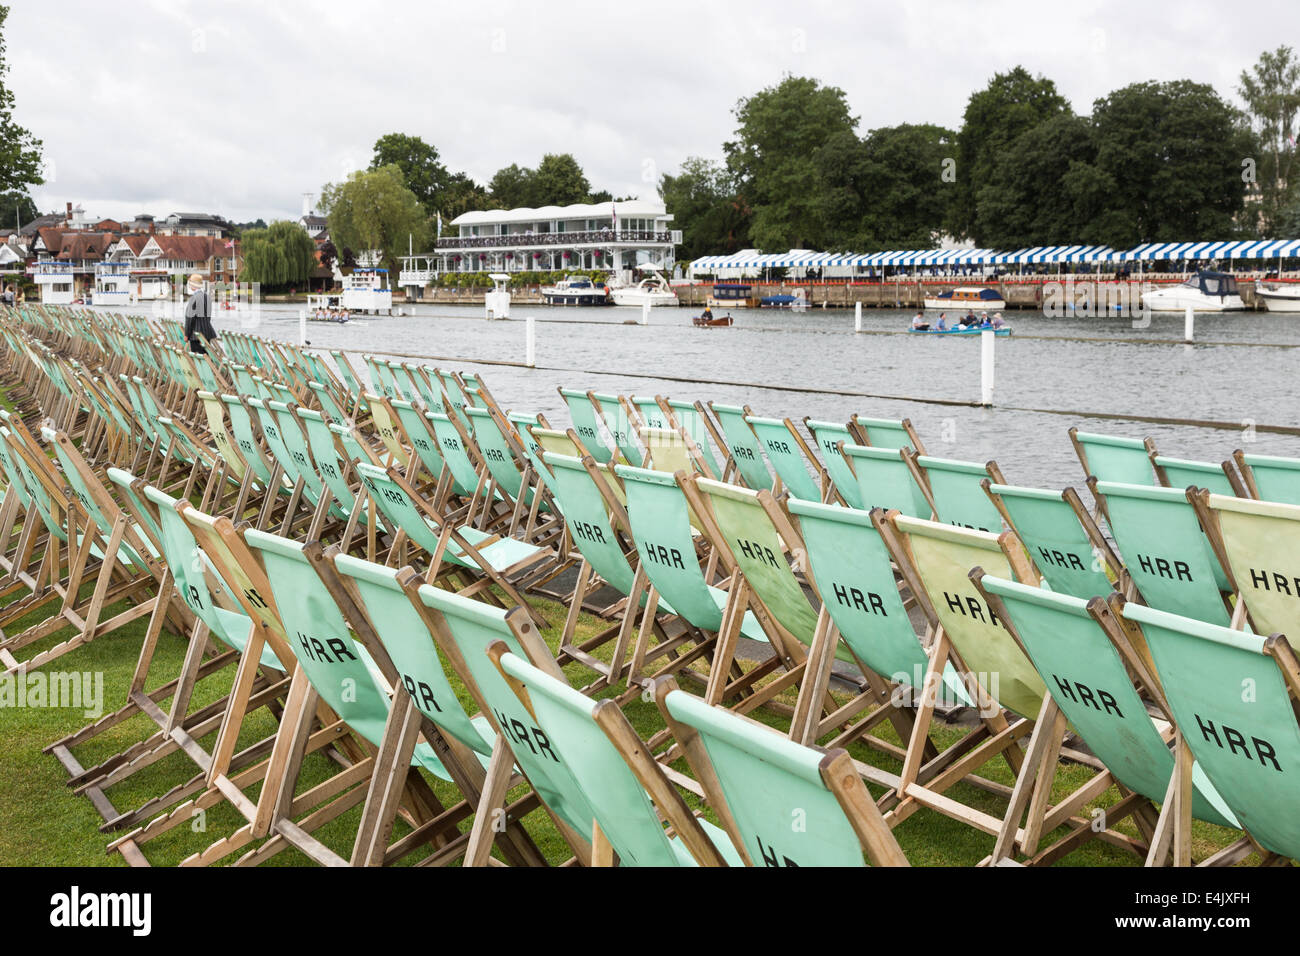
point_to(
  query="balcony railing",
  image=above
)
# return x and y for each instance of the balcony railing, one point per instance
(416, 277)
(540, 240)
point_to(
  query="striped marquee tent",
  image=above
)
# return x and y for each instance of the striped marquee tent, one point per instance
(1248, 249)
(1055, 254)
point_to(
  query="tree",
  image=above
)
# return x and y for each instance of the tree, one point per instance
(16, 207)
(329, 253)
(280, 255)
(20, 151)
(424, 173)
(1169, 158)
(463, 195)
(374, 209)
(703, 199)
(1010, 105)
(774, 158)
(559, 181)
(1271, 91)
(512, 187)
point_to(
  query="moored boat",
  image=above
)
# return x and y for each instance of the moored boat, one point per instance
(968, 296)
(732, 295)
(1204, 291)
(576, 290)
(1279, 297)
(653, 289)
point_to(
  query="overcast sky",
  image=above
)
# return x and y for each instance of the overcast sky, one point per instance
(240, 107)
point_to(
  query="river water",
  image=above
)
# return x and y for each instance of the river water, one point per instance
(1238, 375)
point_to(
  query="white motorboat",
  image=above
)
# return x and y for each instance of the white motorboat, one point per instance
(575, 290)
(967, 297)
(653, 289)
(1279, 296)
(1202, 292)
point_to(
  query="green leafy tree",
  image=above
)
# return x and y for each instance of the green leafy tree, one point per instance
(463, 195)
(1169, 156)
(1271, 91)
(995, 116)
(16, 207)
(512, 187)
(374, 209)
(280, 255)
(20, 151)
(703, 199)
(424, 173)
(559, 181)
(774, 157)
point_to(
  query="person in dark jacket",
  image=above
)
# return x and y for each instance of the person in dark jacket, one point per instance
(199, 332)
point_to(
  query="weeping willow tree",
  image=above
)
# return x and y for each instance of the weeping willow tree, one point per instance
(280, 255)
(374, 210)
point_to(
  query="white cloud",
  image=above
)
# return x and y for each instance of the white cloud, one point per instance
(240, 107)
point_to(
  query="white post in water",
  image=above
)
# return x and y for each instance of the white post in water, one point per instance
(1189, 326)
(530, 340)
(857, 316)
(645, 312)
(302, 326)
(986, 367)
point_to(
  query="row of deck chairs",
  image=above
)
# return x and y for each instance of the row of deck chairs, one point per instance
(356, 554)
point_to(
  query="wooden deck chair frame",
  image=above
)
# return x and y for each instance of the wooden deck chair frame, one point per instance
(1261, 479)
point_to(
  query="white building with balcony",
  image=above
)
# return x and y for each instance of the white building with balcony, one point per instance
(56, 281)
(616, 237)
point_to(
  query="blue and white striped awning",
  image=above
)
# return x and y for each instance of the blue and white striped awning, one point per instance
(1200, 251)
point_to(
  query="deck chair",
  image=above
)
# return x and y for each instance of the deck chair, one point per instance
(493, 558)
(885, 480)
(690, 419)
(660, 523)
(591, 739)
(763, 785)
(1181, 473)
(1062, 539)
(744, 452)
(887, 433)
(1258, 545)
(1110, 458)
(336, 666)
(831, 437)
(789, 456)
(1088, 667)
(583, 413)
(954, 488)
(618, 417)
(1269, 478)
(1245, 743)
(1168, 557)
(503, 453)
(935, 560)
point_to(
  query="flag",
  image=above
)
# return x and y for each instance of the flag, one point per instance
(230, 244)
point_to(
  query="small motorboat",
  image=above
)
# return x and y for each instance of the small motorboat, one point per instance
(796, 301)
(732, 295)
(653, 289)
(1202, 291)
(576, 290)
(1279, 297)
(967, 297)
(1005, 330)
(721, 321)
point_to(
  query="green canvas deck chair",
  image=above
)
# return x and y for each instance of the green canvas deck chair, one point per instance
(381, 378)
(935, 560)
(533, 517)
(887, 433)
(1258, 546)
(1246, 743)
(663, 413)
(231, 456)
(671, 450)
(469, 478)
(387, 425)
(660, 523)
(315, 490)
(335, 667)
(464, 630)
(885, 480)
(1181, 473)
(1088, 668)
(415, 431)
(954, 488)
(352, 382)
(403, 381)
(94, 537)
(744, 453)
(1111, 458)
(329, 404)
(477, 559)
(328, 442)
(267, 472)
(762, 786)
(1269, 478)
(597, 523)
(1062, 539)
(1170, 560)
(831, 438)
(591, 739)
(389, 599)
(303, 498)
(867, 610)
(618, 418)
(790, 457)
(220, 636)
(583, 413)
